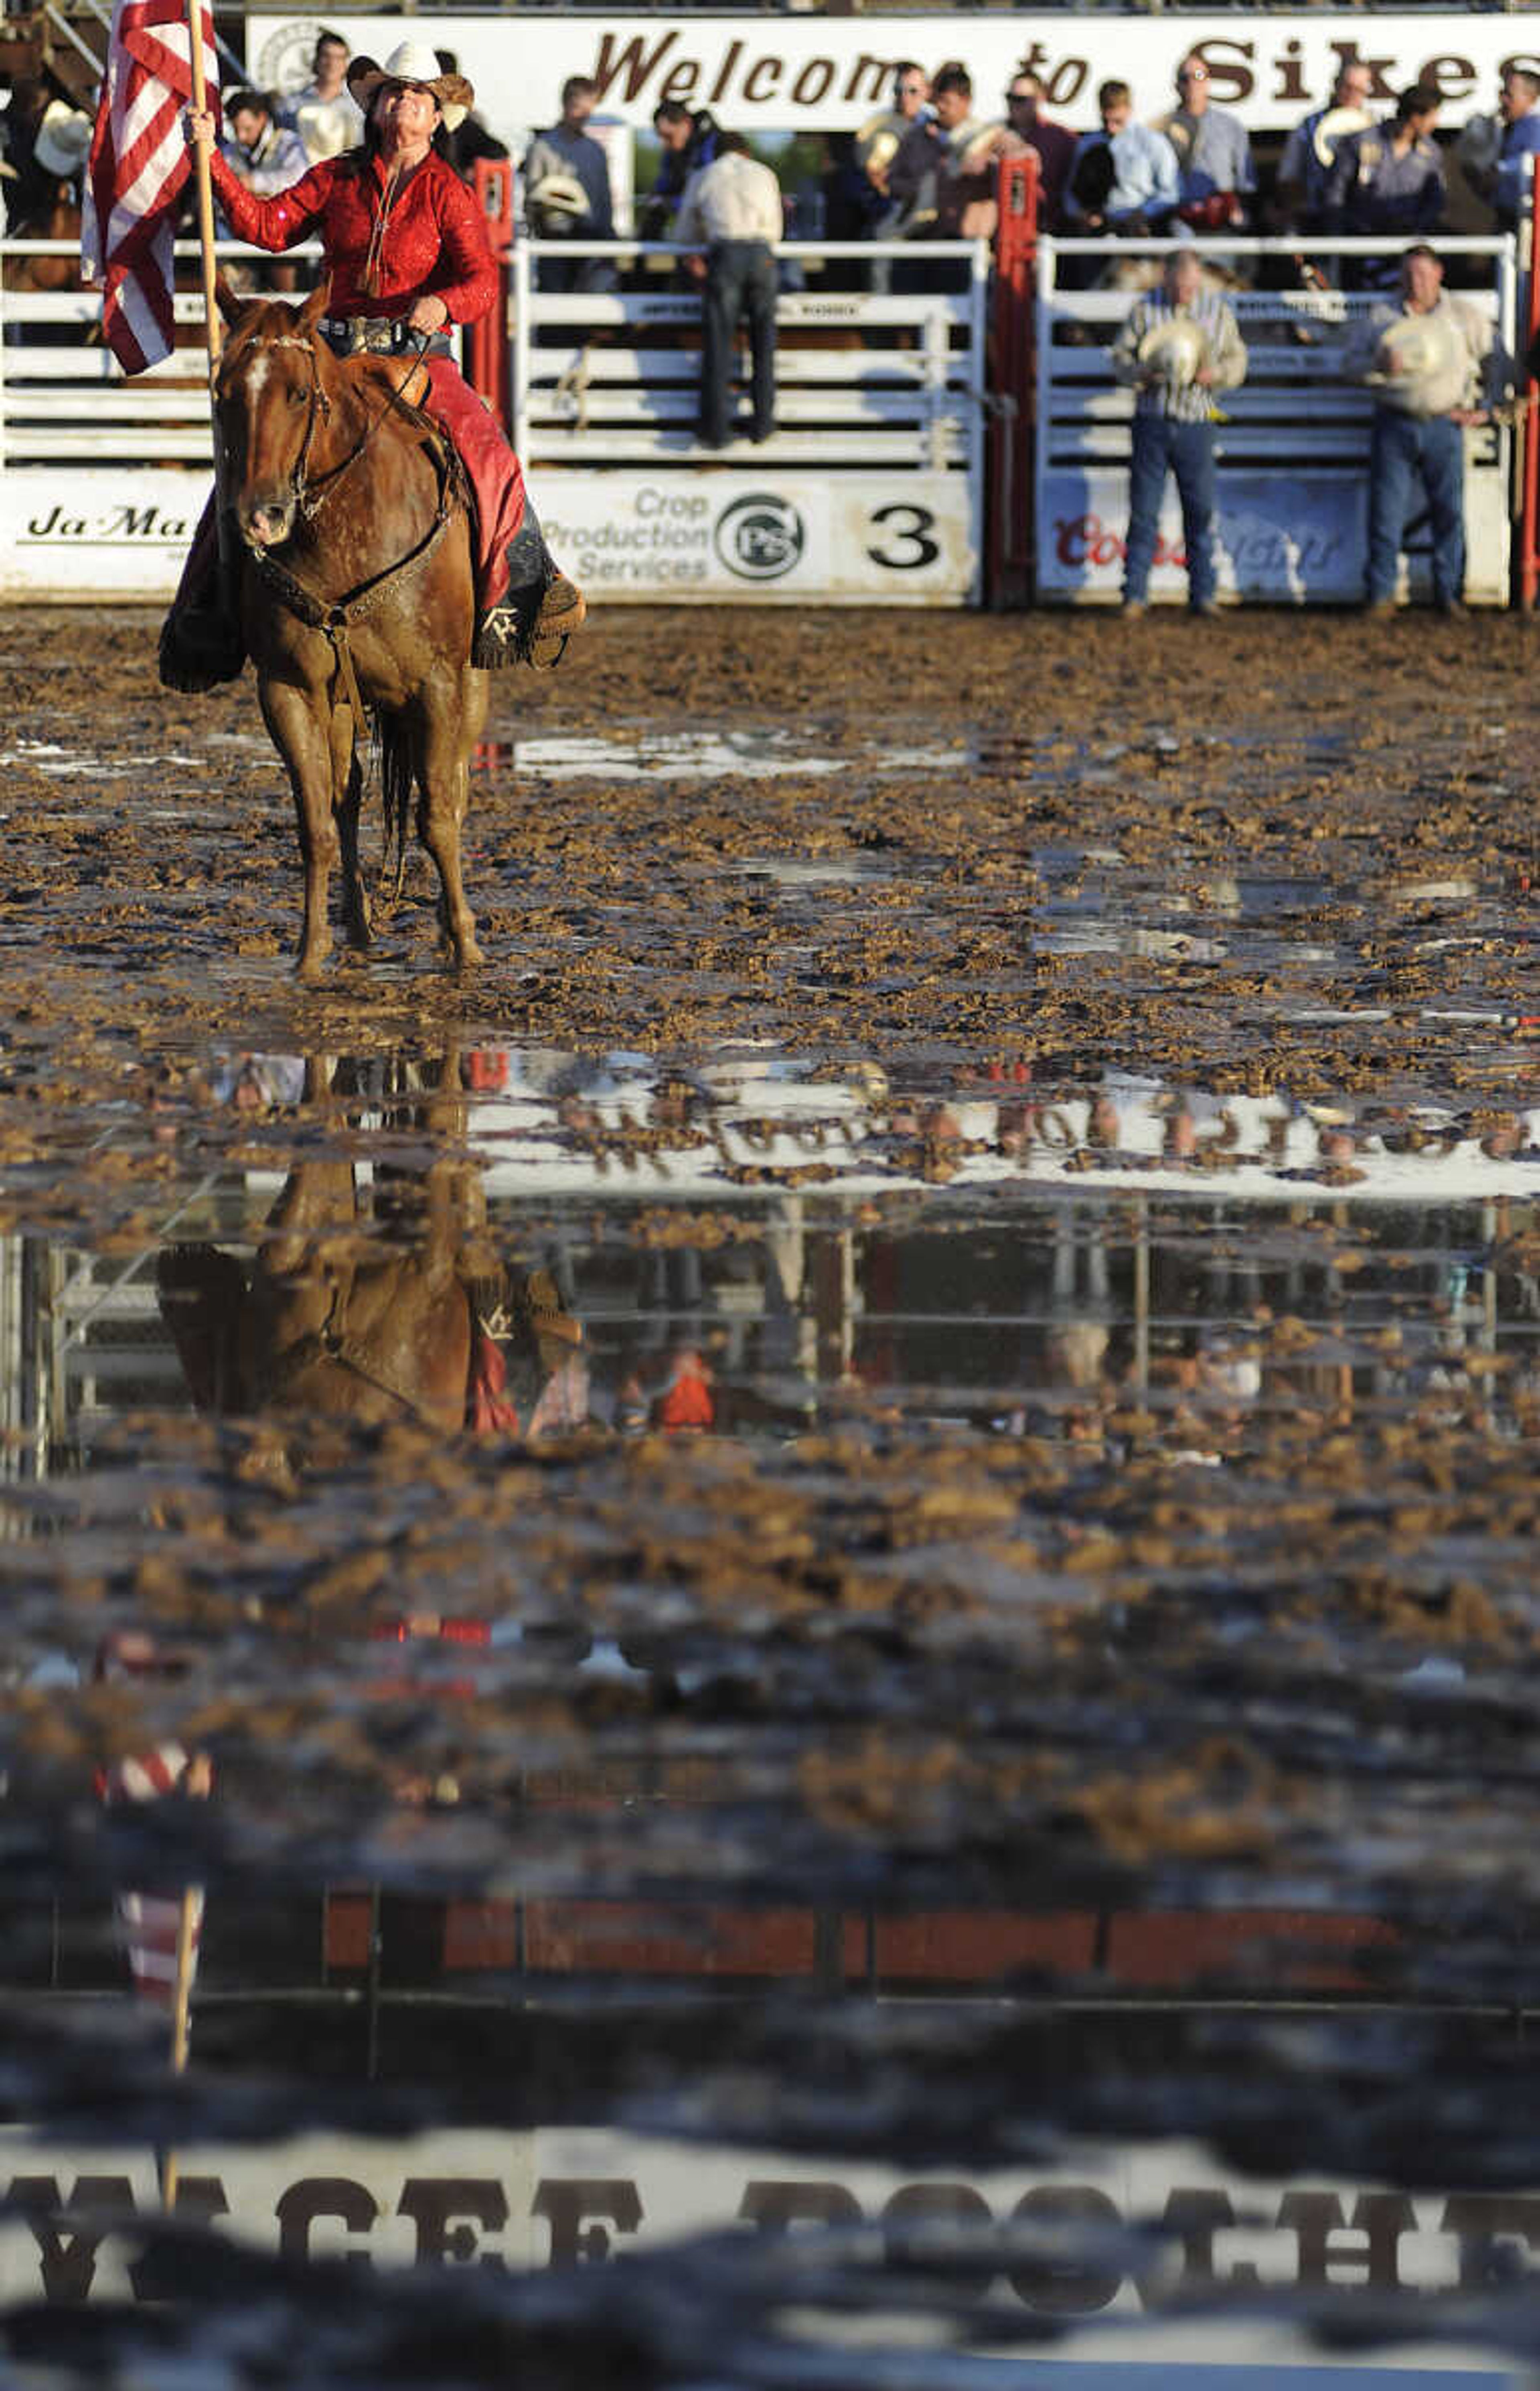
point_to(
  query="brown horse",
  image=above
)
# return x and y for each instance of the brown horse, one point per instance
(357, 592)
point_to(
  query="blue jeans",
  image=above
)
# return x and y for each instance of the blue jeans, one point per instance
(1162, 447)
(1402, 453)
(740, 280)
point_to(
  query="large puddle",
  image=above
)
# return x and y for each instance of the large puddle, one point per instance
(843, 1722)
(807, 1630)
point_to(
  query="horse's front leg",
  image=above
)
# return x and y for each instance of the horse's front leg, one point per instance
(300, 723)
(452, 712)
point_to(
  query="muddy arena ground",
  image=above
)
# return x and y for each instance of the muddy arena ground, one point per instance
(1113, 1386)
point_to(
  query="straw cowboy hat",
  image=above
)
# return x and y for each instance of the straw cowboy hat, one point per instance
(559, 195)
(1174, 349)
(62, 142)
(413, 63)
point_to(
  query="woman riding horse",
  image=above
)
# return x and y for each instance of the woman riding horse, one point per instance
(406, 254)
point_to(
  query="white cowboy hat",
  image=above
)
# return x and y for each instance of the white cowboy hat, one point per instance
(1334, 128)
(1174, 348)
(557, 195)
(413, 63)
(326, 127)
(1420, 345)
(63, 140)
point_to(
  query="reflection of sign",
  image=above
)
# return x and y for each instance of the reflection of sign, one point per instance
(558, 2196)
(760, 537)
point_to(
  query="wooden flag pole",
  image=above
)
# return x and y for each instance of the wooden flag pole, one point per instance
(205, 186)
(181, 2015)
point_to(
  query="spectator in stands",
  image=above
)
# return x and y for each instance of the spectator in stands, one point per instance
(325, 114)
(882, 136)
(265, 156)
(1434, 367)
(567, 192)
(1125, 178)
(1180, 345)
(1213, 153)
(1520, 109)
(690, 140)
(469, 139)
(939, 175)
(1311, 150)
(732, 207)
(1388, 179)
(1054, 144)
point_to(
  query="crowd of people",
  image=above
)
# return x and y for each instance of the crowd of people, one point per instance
(924, 169)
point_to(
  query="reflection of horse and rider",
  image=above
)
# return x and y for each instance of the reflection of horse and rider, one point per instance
(380, 1305)
(406, 257)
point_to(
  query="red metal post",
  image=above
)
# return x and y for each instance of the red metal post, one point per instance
(1013, 385)
(486, 346)
(1528, 548)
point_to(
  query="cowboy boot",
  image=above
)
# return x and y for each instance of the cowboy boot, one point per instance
(536, 613)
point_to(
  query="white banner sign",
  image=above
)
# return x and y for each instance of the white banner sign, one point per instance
(76, 533)
(71, 2233)
(764, 536)
(1282, 539)
(776, 72)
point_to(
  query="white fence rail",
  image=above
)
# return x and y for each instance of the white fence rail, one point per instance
(870, 488)
(1292, 443)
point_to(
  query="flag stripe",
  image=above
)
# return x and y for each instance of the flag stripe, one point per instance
(138, 164)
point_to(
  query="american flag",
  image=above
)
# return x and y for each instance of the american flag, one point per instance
(149, 1923)
(139, 161)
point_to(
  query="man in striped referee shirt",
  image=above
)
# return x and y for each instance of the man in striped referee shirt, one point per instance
(1173, 424)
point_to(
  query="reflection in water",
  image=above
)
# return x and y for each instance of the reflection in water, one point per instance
(908, 1913)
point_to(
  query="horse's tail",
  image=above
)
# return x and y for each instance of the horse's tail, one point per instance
(396, 786)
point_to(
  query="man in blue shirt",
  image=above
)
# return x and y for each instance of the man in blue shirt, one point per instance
(1213, 150)
(567, 195)
(1521, 117)
(1124, 178)
(1389, 179)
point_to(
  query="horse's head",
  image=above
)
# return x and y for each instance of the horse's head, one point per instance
(270, 403)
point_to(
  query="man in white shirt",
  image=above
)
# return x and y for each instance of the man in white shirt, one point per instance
(733, 208)
(325, 114)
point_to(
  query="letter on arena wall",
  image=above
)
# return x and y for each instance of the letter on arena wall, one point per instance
(868, 78)
(1453, 78)
(762, 79)
(1229, 78)
(70, 2261)
(813, 82)
(635, 62)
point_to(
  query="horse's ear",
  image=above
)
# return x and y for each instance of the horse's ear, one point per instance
(317, 304)
(231, 303)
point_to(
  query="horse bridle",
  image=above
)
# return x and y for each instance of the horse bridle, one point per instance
(310, 498)
(336, 616)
